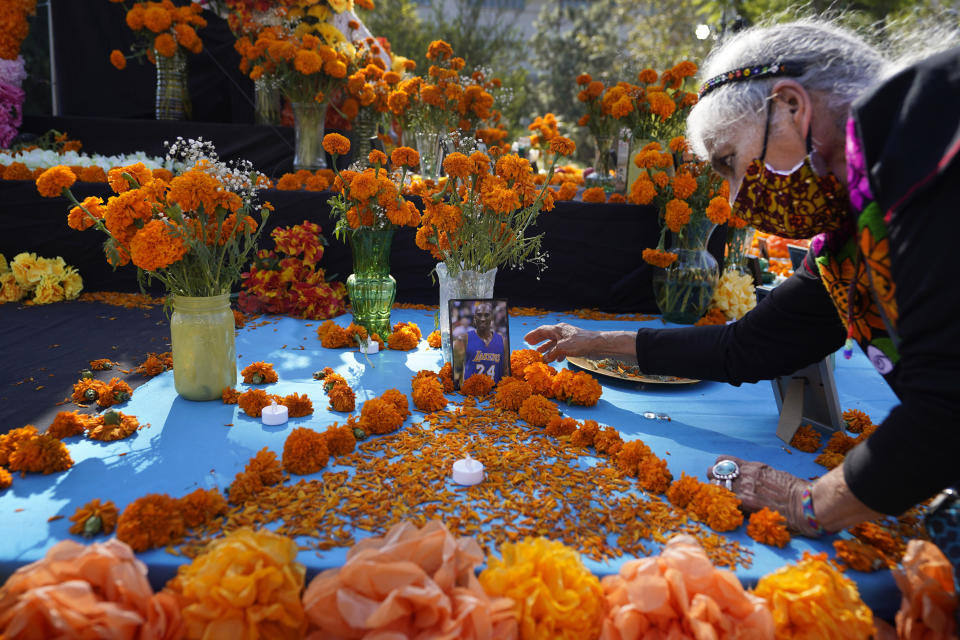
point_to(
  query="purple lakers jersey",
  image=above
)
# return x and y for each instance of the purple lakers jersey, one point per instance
(482, 358)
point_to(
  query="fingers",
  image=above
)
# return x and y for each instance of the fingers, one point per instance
(545, 332)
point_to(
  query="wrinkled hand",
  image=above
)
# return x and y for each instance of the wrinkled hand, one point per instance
(759, 485)
(560, 340)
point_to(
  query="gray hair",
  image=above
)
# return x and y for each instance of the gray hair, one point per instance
(839, 66)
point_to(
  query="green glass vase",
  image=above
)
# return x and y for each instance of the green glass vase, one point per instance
(371, 287)
(202, 346)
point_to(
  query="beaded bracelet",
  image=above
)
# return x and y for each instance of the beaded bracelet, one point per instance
(806, 503)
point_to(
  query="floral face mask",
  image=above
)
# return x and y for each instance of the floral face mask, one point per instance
(799, 203)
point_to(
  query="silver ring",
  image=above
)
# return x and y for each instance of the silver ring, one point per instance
(725, 471)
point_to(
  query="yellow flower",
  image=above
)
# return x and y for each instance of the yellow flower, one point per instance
(341, 5)
(10, 291)
(554, 595)
(329, 33)
(48, 290)
(245, 585)
(4, 267)
(28, 269)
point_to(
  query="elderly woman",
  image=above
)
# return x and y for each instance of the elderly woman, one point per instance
(820, 135)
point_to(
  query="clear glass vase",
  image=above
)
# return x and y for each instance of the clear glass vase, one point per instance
(267, 101)
(739, 242)
(428, 145)
(363, 134)
(466, 284)
(173, 98)
(308, 128)
(371, 287)
(604, 164)
(683, 290)
(202, 346)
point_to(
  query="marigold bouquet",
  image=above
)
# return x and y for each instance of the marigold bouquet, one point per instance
(193, 233)
(657, 107)
(163, 29)
(689, 196)
(42, 280)
(481, 216)
(288, 280)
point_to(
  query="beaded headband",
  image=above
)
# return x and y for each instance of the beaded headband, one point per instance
(752, 72)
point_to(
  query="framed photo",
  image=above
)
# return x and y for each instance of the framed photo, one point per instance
(480, 336)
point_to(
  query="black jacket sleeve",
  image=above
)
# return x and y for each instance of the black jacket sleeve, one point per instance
(793, 326)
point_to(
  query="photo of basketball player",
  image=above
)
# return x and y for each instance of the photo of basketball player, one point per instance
(479, 331)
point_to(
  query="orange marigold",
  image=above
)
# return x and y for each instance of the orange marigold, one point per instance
(11, 440)
(253, 401)
(806, 439)
(563, 146)
(717, 507)
(521, 359)
(586, 434)
(684, 185)
(511, 394)
(342, 398)
(538, 411)
(339, 440)
(112, 426)
(68, 424)
(718, 210)
(608, 441)
(428, 395)
(433, 340)
(152, 366)
(458, 165)
(594, 194)
(54, 180)
(559, 426)
(93, 518)
(150, 522)
(201, 506)
(713, 316)
(405, 336)
(829, 459)
(405, 156)
(856, 420)
(768, 527)
(630, 456)
(681, 492)
(6, 480)
(653, 475)
(576, 388)
(378, 416)
(657, 258)
(259, 373)
(118, 60)
(479, 384)
(540, 378)
(859, 556)
(446, 377)
(298, 405)
(262, 470)
(39, 453)
(305, 451)
(230, 396)
(677, 215)
(336, 144)
(399, 400)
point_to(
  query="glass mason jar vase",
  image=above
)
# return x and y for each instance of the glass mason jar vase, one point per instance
(308, 128)
(173, 98)
(466, 284)
(739, 242)
(428, 146)
(203, 348)
(371, 287)
(363, 134)
(684, 289)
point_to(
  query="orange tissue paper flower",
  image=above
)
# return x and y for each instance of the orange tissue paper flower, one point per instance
(811, 599)
(768, 527)
(87, 591)
(150, 521)
(410, 583)
(305, 451)
(554, 594)
(244, 585)
(929, 598)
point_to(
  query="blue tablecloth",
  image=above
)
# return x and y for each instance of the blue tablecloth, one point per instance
(188, 444)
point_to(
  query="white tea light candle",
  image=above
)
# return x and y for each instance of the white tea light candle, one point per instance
(468, 471)
(274, 415)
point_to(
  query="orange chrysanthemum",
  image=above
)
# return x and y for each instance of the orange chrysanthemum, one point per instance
(342, 398)
(305, 451)
(336, 144)
(93, 518)
(201, 506)
(768, 527)
(479, 384)
(259, 373)
(150, 521)
(538, 411)
(298, 405)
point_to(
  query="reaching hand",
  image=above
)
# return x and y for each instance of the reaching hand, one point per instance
(560, 340)
(759, 485)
